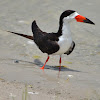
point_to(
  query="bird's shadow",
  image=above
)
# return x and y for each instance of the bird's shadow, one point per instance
(40, 64)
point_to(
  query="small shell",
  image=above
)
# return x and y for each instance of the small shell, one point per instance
(12, 95)
(70, 76)
(33, 92)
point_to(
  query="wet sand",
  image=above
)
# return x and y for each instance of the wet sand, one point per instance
(20, 59)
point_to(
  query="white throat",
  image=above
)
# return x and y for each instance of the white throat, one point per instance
(66, 28)
(65, 39)
(66, 32)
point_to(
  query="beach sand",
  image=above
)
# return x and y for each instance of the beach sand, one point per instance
(20, 59)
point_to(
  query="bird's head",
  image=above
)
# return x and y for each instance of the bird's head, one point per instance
(70, 15)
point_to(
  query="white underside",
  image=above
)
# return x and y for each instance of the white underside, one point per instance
(64, 46)
(65, 40)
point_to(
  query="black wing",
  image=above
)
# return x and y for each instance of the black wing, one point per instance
(47, 42)
(70, 49)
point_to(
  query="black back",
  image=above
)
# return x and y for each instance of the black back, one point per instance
(47, 42)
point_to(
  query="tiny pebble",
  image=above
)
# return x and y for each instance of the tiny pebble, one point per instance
(16, 61)
(41, 65)
(30, 42)
(21, 21)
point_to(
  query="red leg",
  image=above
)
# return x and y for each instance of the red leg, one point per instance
(60, 63)
(59, 66)
(45, 63)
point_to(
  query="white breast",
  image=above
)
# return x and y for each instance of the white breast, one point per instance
(65, 39)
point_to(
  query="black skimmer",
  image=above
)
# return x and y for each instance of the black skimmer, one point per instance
(56, 43)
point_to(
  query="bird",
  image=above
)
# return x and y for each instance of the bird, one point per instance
(56, 43)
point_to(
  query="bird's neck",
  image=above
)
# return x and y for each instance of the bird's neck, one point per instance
(64, 28)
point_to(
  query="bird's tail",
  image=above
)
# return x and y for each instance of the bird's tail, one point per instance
(23, 35)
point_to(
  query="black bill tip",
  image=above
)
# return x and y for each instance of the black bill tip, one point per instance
(88, 21)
